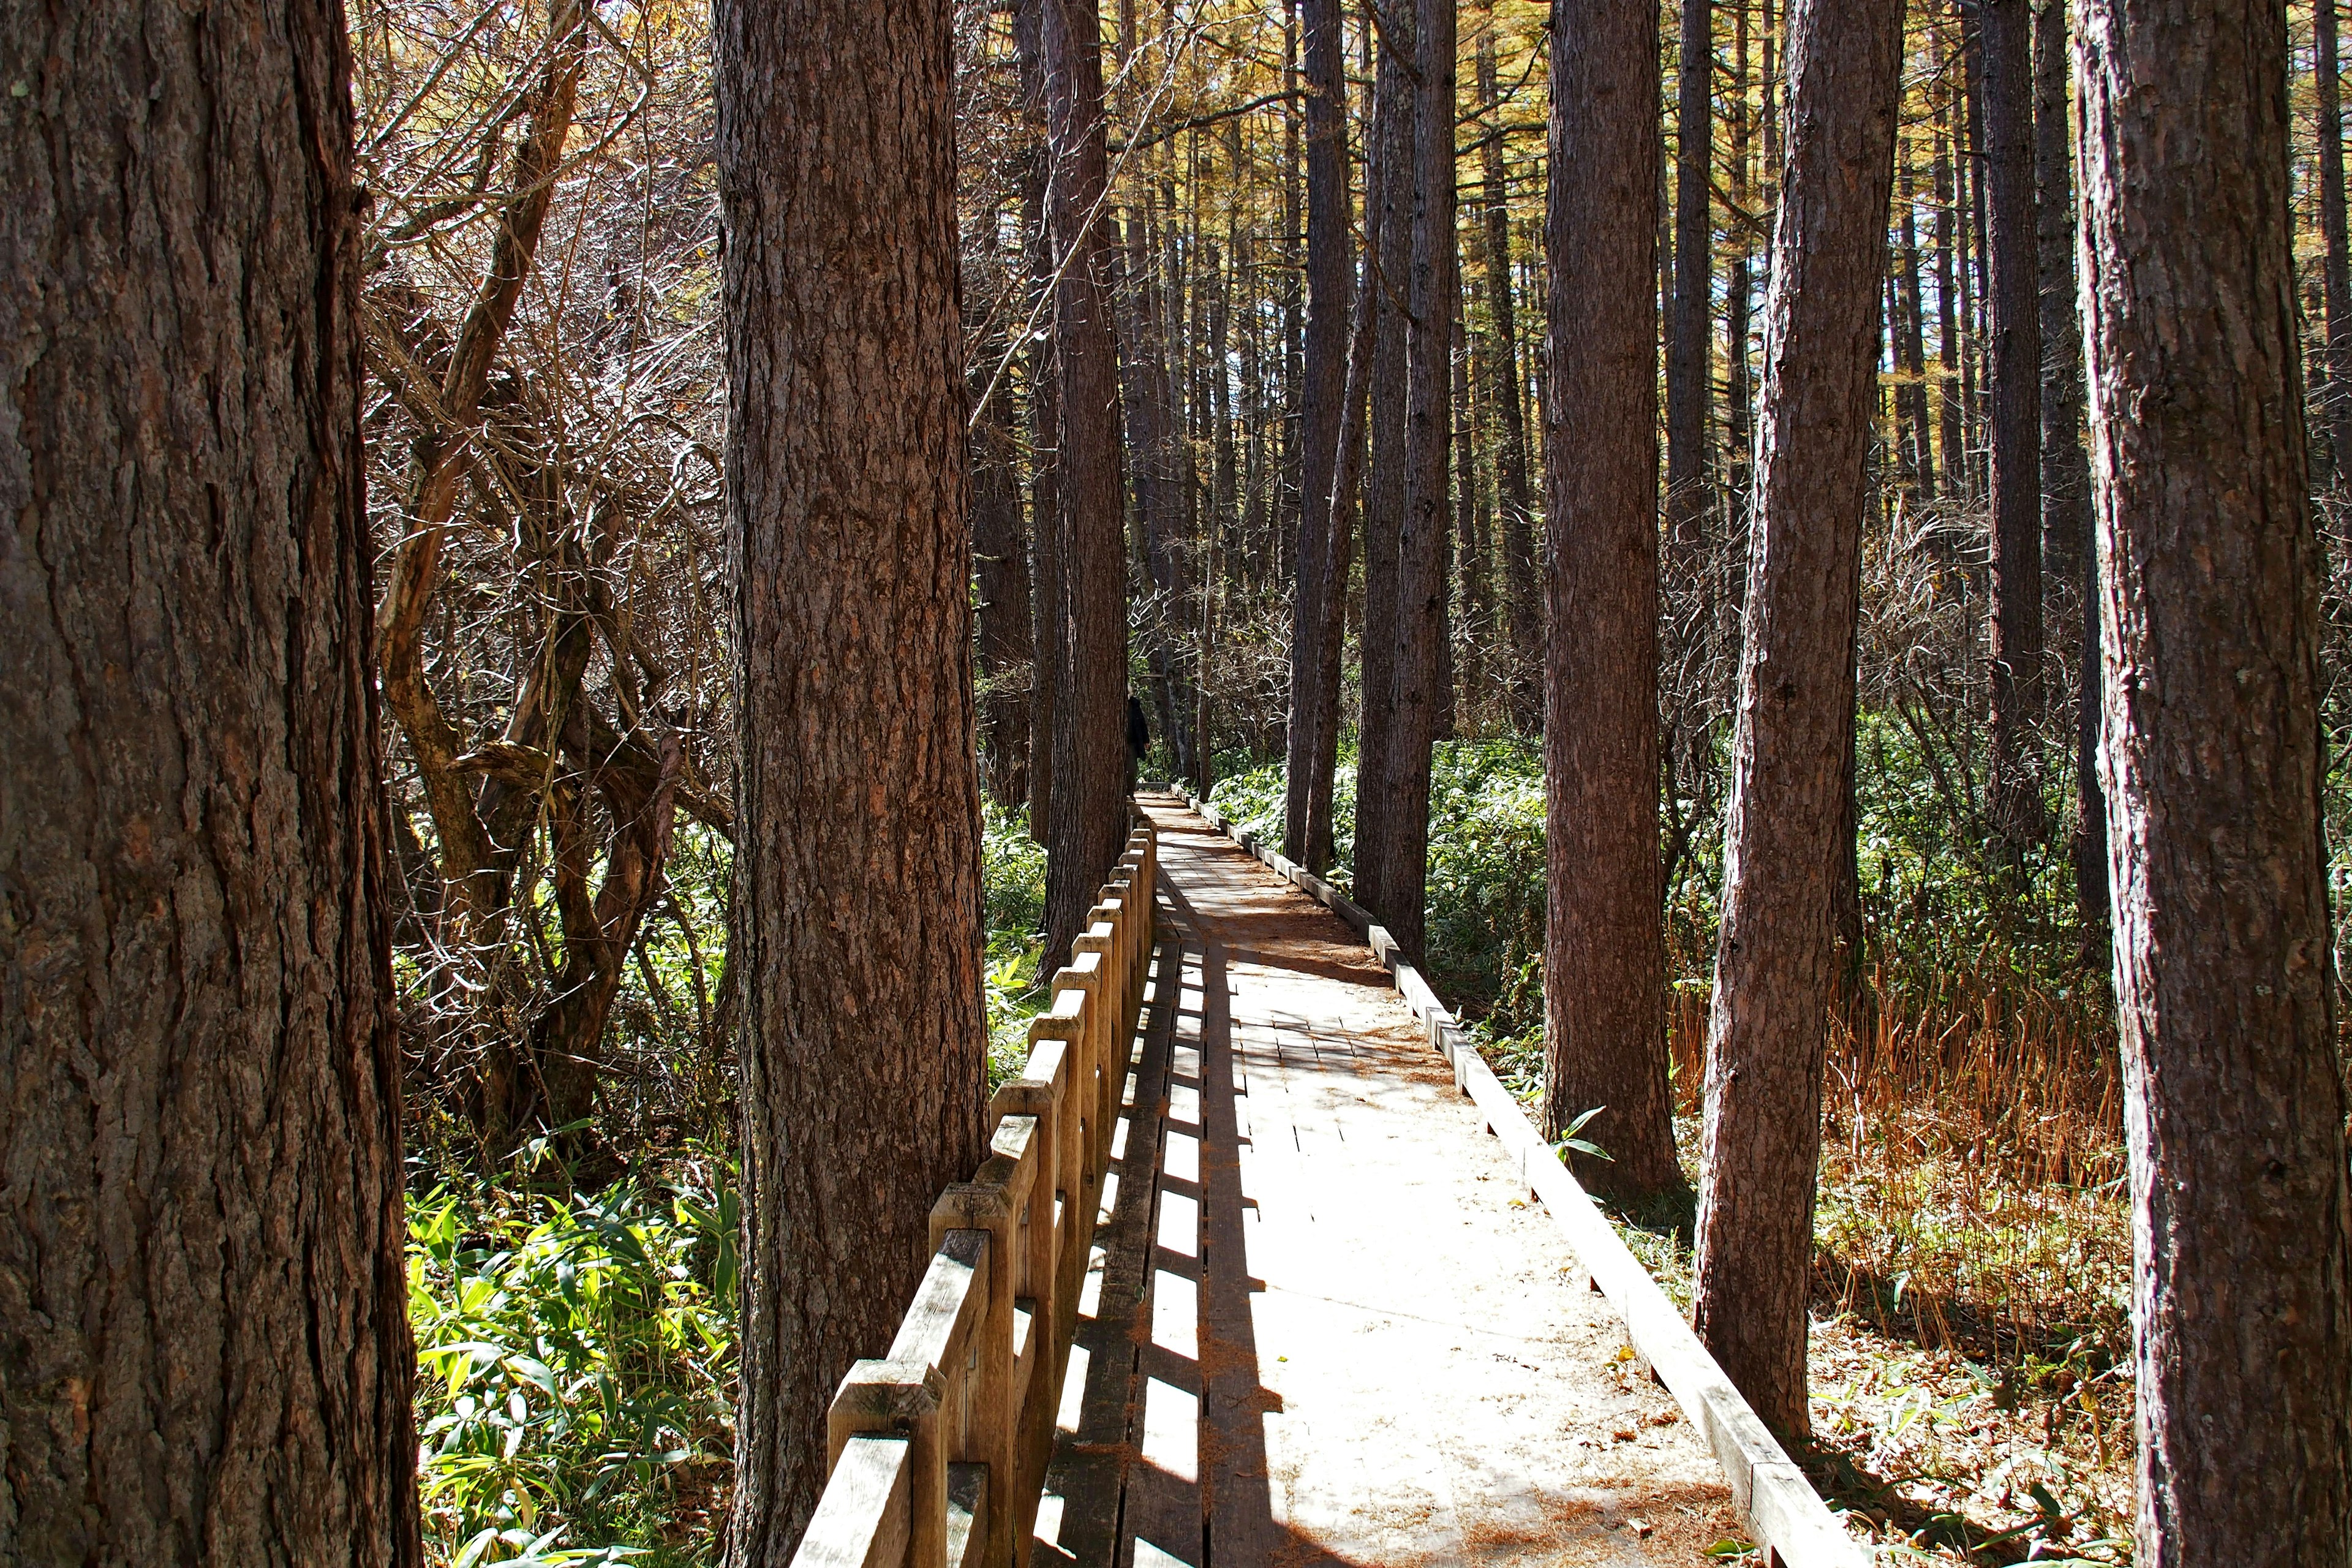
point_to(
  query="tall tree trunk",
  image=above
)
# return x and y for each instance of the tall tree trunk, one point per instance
(1000, 557)
(1775, 964)
(2013, 270)
(1912, 342)
(2337, 363)
(1314, 608)
(858, 833)
(1951, 427)
(1523, 589)
(1087, 823)
(2066, 525)
(1472, 522)
(1044, 374)
(203, 1294)
(1393, 115)
(1604, 953)
(1420, 585)
(2235, 1108)
(1740, 398)
(1346, 479)
(1690, 317)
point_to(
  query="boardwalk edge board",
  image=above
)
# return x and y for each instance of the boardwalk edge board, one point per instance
(1783, 1513)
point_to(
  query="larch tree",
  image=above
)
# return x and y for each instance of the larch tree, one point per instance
(1523, 610)
(1086, 815)
(1605, 952)
(1422, 678)
(2212, 753)
(1316, 607)
(2067, 549)
(1394, 116)
(1690, 315)
(205, 1353)
(1776, 959)
(2335, 268)
(2013, 787)
(859, 926)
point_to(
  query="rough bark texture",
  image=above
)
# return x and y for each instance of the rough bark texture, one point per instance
(1423, 700)
(1384, 493)
(205, 1354)
(2234, 1108)
(1086, 823)
(1313, 609)
(2014, 788)
(1775, 968)
(1523, 588)
(1689, 325)
(858, 917)
(2067, 549)
(1044, 429)
(1605, 953)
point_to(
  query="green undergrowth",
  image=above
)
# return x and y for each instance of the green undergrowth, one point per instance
(576, 1348)
(575, 1363)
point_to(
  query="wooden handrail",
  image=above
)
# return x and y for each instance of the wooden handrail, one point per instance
(936, 1451)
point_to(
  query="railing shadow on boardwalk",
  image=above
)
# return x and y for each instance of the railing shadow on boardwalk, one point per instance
(1164, 1457)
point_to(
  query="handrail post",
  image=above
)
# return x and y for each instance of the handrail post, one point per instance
(989, 1414)
(900, 1399)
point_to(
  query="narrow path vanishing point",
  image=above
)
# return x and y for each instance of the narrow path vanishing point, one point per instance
(1323, 1325)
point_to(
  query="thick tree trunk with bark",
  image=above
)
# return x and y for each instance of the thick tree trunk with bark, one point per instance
(1604, 953)
(1422, 698)
(1317, 597)
(1047, 631)
(1775, 968)
(1086, 823)
(1393, 115)
(1689, 325)
(2067, 546)
(2013, 787)
(2234, 1109)
(205, 1353)
(858, 856)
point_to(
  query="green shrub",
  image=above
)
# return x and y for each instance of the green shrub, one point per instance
(576, 1370)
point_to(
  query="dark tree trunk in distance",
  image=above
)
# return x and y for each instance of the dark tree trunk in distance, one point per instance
(1385, 497)
(858, 854)
(2013, 315)
(1317, 597)
(1689, 326)
(205, 1353)
(1523, 588)
(1044, 429)
(2067, 547)
(1421, 700)
(2235, 1108)
(2337, 363)
(1087, 817)
(999, 549)
(1604, 954)
(1775, 964)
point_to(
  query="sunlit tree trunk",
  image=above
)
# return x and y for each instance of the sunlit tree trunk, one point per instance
(1420, 585)
(2234, 1106)
(1776, 960)
(1317, 597)
(858, 838)
(1690, 315)
(205, 1354)
(1086, 819)
(1604, 956)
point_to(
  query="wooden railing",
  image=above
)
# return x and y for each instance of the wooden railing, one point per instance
(936, 1451)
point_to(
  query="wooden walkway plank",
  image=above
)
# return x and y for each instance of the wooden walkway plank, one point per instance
(1331, 1331)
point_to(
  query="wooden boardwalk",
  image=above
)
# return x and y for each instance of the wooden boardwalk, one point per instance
(1323, 1325)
